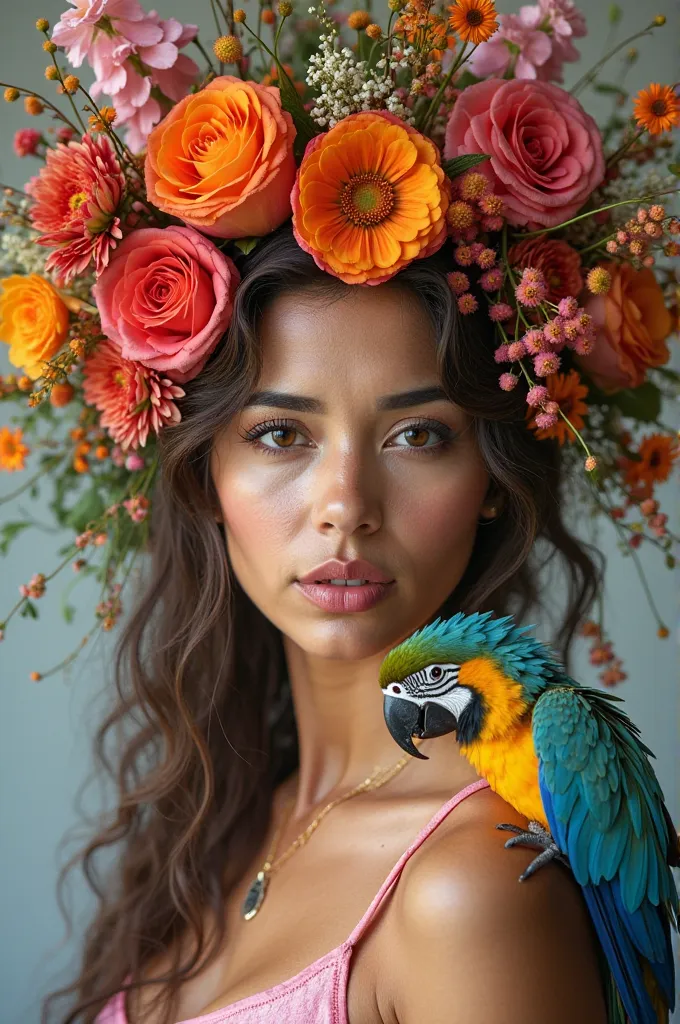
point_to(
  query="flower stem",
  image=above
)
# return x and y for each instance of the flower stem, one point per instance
(55, 110)
(590, 75)
(600, 209)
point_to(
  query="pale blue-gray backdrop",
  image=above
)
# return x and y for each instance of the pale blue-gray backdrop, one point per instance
(46, 728)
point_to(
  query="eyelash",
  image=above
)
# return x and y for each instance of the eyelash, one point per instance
(252, 436)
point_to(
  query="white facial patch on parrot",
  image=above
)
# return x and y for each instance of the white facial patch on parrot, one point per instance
(437, 683)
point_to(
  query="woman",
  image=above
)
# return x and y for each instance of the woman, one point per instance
(253, 707)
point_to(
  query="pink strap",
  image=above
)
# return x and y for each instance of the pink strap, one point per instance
(474, 787)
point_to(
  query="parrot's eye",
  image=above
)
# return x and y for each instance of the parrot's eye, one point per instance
(435, 672)
(396, 688)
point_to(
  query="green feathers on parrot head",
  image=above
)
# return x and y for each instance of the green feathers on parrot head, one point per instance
(431, 687)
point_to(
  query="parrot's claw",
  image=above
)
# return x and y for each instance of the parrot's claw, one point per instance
(536, 836)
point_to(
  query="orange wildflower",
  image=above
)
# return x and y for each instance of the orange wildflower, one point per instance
(12, 449)
(569, 391)
(474, 21)
(658, 451)
(657, 109)
(370, 196)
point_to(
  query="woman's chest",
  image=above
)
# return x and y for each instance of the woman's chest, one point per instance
(312, 904)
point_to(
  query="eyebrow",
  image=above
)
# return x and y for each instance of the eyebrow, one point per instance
(302, 403)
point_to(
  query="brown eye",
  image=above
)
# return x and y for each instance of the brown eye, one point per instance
(421, 431)
(435, 672)
(284, 430)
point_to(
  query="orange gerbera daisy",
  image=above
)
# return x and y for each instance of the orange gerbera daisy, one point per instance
(370, 196)
(657, 108)
(658, 451)
(569, 391)
(474, 21)
(12, 449)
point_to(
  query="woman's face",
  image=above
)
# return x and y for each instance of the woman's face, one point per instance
(402, 488)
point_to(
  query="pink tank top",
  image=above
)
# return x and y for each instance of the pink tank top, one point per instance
(318, 994)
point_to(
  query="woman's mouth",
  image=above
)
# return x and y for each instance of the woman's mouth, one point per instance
(345, 595)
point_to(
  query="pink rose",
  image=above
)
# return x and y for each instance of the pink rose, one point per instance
(166, 299)
(545, 151)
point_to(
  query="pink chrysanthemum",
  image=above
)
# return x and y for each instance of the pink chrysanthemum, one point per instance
(77, 197)
(531, 293)
(132, 398)
(545, 420)
(467, 303)
(516, 350)
(567, 307)
(501, 354)
(463, 255)
(26, 141)
(486, 258)
(546, 363)
(534, 342)
(492, 280)
(537, 394)
(508, 381)
(500, 311)
(458, 282)
(584, 345)
(553, 332)
(492, 223)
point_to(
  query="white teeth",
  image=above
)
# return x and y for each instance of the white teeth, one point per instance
(344, 583)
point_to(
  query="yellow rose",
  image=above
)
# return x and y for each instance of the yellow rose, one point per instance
(33, 321)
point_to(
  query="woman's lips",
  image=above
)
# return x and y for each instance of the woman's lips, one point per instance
(334, 598)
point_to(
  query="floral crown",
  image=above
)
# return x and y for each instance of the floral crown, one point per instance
(379, 143)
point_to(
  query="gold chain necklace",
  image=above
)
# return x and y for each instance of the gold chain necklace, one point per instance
(258, 888)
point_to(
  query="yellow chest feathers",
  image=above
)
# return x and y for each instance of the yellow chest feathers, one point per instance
(504, 754)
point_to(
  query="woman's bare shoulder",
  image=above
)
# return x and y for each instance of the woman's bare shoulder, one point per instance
(472, 942)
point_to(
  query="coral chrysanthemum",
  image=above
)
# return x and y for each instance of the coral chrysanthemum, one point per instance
(131, 398)
(12, 449)
(658, 452)
(473, 21)
(77, 197)
(657, 108)
(569, 391)
(370, 196)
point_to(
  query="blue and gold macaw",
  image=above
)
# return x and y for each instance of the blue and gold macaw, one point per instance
(572, 763)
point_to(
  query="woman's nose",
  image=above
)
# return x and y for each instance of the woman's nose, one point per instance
(346, 492)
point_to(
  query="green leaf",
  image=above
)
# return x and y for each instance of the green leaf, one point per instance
(642, 404)
(292, 102)
(9, 531)
(246, 245)
(68, 611)
(614, 14)
(29, 611)
(674, 169)
(461, 164)
(88, 507)
(610, 90)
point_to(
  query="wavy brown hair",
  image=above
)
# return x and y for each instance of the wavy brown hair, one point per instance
(195, 754)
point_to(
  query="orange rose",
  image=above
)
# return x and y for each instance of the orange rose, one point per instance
(222, 160)
(33, 321)
(633, 326)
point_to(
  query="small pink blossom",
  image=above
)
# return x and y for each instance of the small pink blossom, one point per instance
(134, 462)
(486, 258)
(492, 223)
(492, 280)
(516, 350)
(519, 42)
(83, 539)
(545, 420)
(546, 363)
(584, 345)
(137, 507)
(534, 342)
(531, 293)
(553, 332)
(568, 306)
(463, 256)
(467, 303)
(508, 381)
(537, 394)
(26, 141)
(458, 282)
(501, 354)
(500, 311)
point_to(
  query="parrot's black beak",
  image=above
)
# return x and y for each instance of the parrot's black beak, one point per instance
(404, 718)
(437, 720)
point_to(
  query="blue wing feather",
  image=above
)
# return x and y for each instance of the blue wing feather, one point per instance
(606, 812)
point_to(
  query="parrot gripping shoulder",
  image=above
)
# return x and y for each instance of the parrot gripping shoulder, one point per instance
(535, 836)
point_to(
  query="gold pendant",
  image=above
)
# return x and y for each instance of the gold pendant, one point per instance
(254, 896)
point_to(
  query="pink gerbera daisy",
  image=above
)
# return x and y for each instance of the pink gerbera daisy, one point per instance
(77, 197)
(132, 398)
